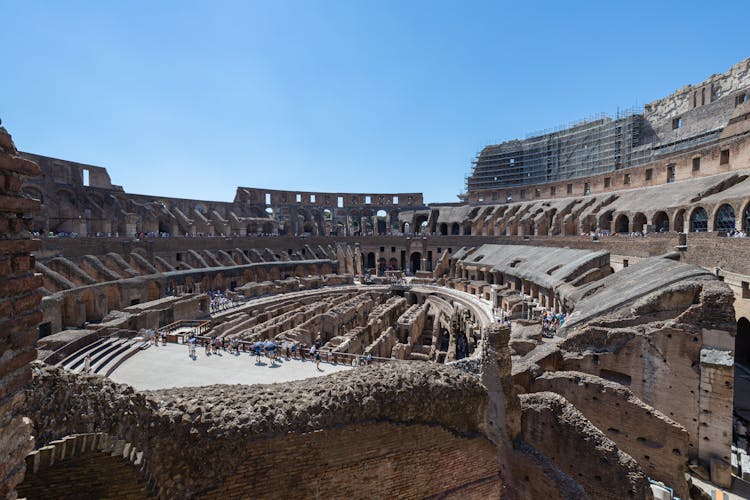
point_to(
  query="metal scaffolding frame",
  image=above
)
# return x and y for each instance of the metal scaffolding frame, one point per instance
(590, 147)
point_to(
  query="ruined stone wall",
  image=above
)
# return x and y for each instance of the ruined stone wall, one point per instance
(410, 414)
(711, 97)
(658, 443)
(556, 428)
(19, 312)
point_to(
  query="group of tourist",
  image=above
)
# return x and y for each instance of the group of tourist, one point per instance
(270, 349)
(220, 301)
(551, 322)
(154, 337)
(736, 233)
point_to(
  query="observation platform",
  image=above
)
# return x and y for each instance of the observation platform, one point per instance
(168, 366)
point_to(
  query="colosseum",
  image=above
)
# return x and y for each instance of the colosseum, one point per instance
(576, 327)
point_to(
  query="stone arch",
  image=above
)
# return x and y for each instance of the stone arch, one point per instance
(660, 222)
(742, 342)
(639, 221)
(622, 224)
(420, 223)
(746, 218)
(415, 262)
(455, 229)
(444, 229)
(605, 221)
(466, 228)
(678, 222)
(382, 222)
(588, 224)
(724, 219)
(267, 228)
(698, 220)
(405, 228)
(370, 262)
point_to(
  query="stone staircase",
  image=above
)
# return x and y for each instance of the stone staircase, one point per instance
(104, 355)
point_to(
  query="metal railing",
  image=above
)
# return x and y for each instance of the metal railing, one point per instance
(326, 355)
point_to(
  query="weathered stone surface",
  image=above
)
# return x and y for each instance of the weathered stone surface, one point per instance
(556, 428)
(177, 429)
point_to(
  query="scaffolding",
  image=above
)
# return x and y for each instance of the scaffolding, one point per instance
(593, 146)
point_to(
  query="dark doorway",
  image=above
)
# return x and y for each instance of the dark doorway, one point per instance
(742, 342)
(45, 329)
(416, 262)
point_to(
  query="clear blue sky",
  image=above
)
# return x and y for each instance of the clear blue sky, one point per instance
(192, 99)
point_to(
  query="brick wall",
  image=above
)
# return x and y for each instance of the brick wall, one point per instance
(19, 312)
(380, 460)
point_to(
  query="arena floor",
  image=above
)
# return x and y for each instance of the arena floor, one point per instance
(170, 366)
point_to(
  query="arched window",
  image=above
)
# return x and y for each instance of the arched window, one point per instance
(699, 220)
(746, 219)
(724, 221)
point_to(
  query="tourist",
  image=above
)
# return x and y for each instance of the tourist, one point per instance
(317, 358)
(285, 345)
(294, 349)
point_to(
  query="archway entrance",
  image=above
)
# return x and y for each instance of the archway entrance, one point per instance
(661, 222)
(639, 222)
(622, 224)
(724, 221)
(699, 220)
(415, 262)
